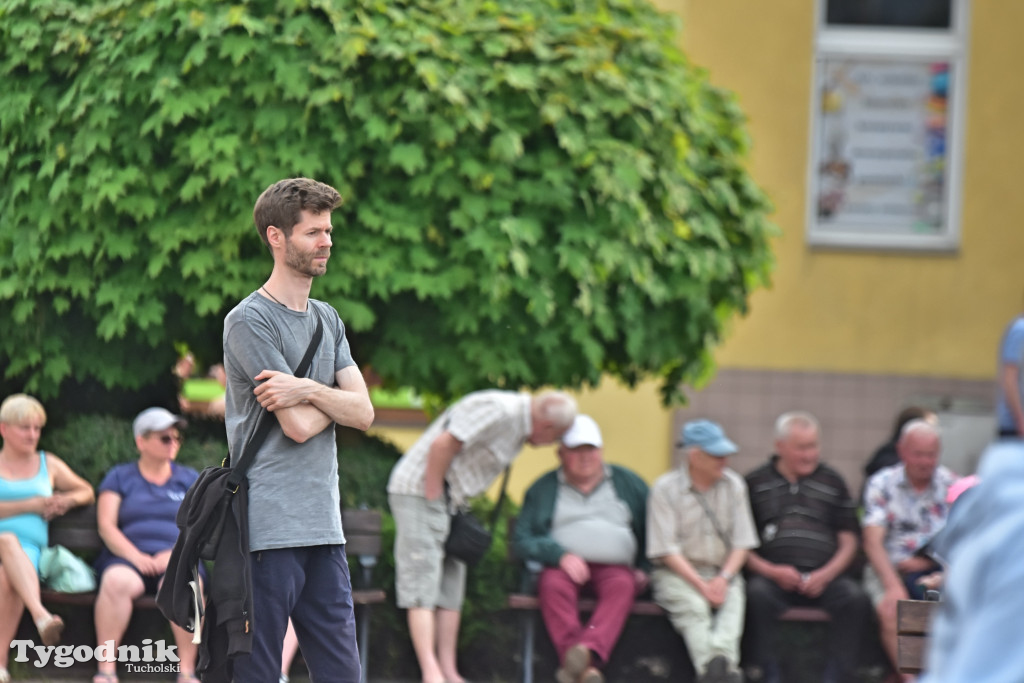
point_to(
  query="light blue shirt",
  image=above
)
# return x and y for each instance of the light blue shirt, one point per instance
(1011, 352)
(976, 634)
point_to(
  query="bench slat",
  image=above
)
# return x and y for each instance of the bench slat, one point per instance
(911, 653)
(913, 621)
(914, 616)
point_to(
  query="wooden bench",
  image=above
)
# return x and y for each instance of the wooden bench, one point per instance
(77, 531)
(528, 605)
(913, 622)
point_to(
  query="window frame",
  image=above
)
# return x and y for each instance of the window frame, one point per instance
(893, 44)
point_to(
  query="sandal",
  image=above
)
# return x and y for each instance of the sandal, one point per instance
(51, 630)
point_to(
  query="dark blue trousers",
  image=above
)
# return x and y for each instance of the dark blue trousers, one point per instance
(312, 585)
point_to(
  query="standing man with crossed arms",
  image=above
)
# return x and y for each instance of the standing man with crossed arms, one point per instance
(299, 567)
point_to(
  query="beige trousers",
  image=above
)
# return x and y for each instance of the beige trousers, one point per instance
(706, 632)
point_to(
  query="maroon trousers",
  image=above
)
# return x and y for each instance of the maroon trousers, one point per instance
(613, 585)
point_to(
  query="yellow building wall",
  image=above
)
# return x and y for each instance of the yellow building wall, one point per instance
(870, 311)
(832, 310)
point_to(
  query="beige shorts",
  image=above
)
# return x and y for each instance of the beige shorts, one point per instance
(424, 577)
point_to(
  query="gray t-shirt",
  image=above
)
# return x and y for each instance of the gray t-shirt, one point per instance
(293, 488)
(597, 526)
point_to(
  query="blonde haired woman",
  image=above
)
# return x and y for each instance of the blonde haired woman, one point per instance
(35, 487)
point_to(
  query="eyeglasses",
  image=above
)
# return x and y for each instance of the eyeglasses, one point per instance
(167, 439)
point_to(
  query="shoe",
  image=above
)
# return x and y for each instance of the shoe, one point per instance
(577, 659)
(769, 673)
(734, 676)
(5, 675)
(716, 670)
(591, 675)
(51, 630)
(104, 678)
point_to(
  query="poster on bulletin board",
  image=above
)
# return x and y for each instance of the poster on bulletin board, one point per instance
(881, 168)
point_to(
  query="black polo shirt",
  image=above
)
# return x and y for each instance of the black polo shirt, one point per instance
(799, 522)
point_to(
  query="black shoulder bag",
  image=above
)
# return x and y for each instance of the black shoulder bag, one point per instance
(468, 539)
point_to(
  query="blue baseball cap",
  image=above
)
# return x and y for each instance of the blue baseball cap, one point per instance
(707, 436)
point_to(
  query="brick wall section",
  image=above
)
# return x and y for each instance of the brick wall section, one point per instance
(856, 413)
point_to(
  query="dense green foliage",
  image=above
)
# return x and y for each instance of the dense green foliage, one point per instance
(537, 192)
(92, 444)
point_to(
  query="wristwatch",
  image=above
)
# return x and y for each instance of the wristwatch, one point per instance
(728, 576)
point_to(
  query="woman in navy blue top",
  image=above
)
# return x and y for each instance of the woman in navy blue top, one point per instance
(135, 513)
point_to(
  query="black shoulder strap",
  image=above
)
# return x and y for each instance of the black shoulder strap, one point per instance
(714, 520)
(501, 498)
(265, 422)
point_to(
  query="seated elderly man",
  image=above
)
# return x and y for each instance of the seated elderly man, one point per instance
(809, 535)
(699, 530)
(585, 523)
(905, 506)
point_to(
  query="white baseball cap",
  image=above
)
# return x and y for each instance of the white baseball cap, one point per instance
(156, 420)
(584, 432)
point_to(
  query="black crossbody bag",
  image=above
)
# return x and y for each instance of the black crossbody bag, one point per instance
(468, 539)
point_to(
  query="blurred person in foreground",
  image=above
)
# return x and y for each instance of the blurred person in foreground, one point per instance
(809, 534)
(35, 487)
(136, 515)
(975, 633)
(456, 458)
(585, 523)
(699, 531)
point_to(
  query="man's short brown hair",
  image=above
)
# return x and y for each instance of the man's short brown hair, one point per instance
(282, 204)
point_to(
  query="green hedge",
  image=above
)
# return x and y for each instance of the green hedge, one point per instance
(92, 444)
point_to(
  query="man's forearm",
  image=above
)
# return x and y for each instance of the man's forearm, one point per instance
(681, 566)
(759, 565)
(879, 559)
(302, 422)
(439, 459)
(348, 408)
(734, 562)
(843, 556)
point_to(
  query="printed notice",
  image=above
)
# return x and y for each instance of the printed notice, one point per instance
(882, 146)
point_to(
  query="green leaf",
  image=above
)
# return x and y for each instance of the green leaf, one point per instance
(409, 157)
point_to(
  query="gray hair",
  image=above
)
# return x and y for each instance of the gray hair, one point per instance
(556, 407)
(795, 418)
(919, 427)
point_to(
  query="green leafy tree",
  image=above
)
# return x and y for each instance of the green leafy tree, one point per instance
(537, 193)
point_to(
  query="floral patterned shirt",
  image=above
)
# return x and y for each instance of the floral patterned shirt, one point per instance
(910, 518)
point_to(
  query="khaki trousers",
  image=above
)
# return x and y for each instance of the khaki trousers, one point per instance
(706, 632)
